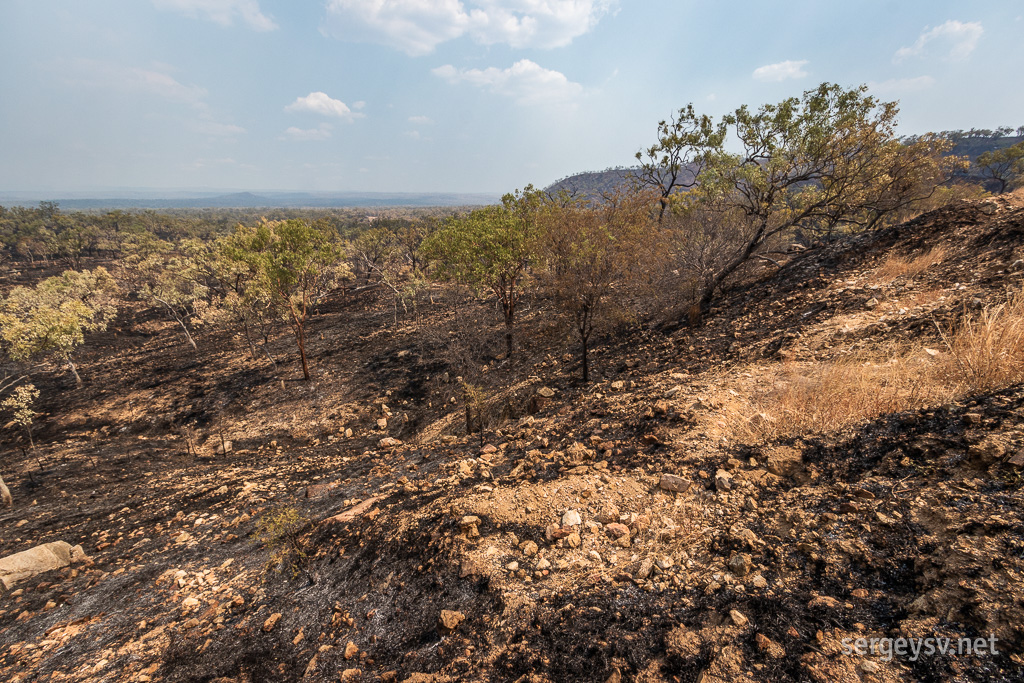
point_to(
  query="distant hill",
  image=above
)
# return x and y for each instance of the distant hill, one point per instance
(249, 200)
(593, 183)
(969, 143)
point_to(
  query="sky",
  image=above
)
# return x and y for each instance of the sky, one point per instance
(451, 95)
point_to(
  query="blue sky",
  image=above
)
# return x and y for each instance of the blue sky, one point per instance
(450, 95)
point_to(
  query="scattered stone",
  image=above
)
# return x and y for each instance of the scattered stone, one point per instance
(271, 621)
(573, 540)
(389, 442)
(769, 646)
(546, 392)
(615, 677)
(351, 675)
(571, 518)
(616, 530)
(738, 618)
(351, 650)
(740, 564)
(223, 448)
(759, 581)
(824, 601)
(672, 482)
(869, 667)
(609, 513)
(382, 423)
(449, 620)
(5, 494)
(723, 480)
(529, 548)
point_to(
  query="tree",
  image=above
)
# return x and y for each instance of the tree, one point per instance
(292, 266)
(20, 404)
(594, 252)
(54, 316)
(828, 159)
(1004, 165)
(674, 161)
(174, 279)
(490, 249)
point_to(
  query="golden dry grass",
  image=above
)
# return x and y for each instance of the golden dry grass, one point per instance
(900, 266)
(983, 352)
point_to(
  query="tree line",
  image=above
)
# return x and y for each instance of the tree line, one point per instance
(710, 199)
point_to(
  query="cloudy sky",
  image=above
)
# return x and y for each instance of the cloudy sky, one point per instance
(450, 95)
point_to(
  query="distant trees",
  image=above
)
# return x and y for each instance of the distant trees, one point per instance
(1005, 166)
(490, 249)
(289, 267)
(53, 316)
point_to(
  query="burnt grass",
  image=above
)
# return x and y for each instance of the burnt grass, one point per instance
(113, 470)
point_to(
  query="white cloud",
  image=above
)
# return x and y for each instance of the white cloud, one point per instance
(324, 105)
(99, 74)
(421, 120)
(223, 12)
(782, 71)
(323, 132)
(898, 86)
(525, 81)
(416, 27)
(953, 40)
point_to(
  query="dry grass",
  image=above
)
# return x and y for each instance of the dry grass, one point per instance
(984, 352)
(899, 266)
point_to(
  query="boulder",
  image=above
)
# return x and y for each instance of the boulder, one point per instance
(42, 558)
(672, 482)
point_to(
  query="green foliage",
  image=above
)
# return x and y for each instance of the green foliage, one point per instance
(490, 249)
(279, 532)
(1005, 166)
(20, 404)
(54, 316)
(289, 267)
(595, 254)
(829, 160)
(173, 278)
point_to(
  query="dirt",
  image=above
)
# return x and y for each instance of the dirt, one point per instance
(908, 525)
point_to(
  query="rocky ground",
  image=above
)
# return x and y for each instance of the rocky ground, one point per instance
(623, 531)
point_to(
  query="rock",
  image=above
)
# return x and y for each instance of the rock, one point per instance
(871, 303)
(571, 518)
(646, 567)
(869, 667)
(488, 449)
(769, 646)
(449, 620)
(5, 494)
(616, 530)
(573, 540)
(615, 677)
(317, 490)
(738, 618)
(759, 581)
(609, 513)
(784, 461)
(860, 593)
(348, 432)
(42, 558)
(389, 442)
(351, 675)
(543, 564)
(824, 601)
(723, 480)
(529, 548)
(382, 423)
(740, 564)
(617, 385)
(351, 650)
(672, 482)
(223, 448)
(271, 621)
(683, 643)
(546, 392)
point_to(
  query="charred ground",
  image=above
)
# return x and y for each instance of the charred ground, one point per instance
(909, 524)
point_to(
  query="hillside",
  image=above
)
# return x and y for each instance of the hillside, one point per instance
(659, 524)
